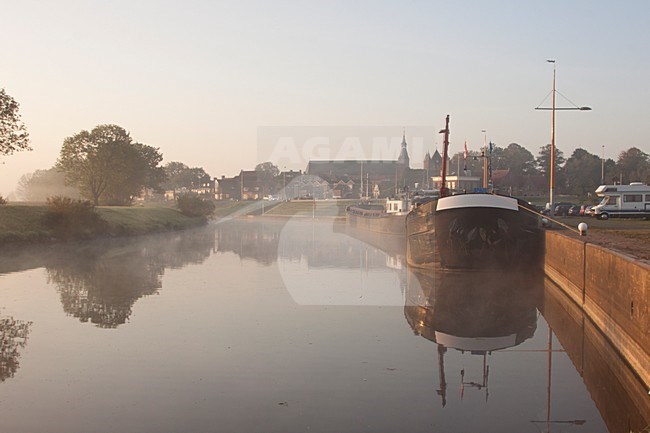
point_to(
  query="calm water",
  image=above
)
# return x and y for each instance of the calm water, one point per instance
(288, 327)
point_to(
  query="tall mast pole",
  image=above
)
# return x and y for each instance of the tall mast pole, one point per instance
(602, 167)
(485, 161)
(552, 167)
(444, 191)
(361, 186)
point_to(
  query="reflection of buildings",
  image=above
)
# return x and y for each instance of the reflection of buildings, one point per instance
(475, 312)
(296, 241)
(13, 338)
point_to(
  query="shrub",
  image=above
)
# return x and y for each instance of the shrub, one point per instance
(70, 218)
(2, 200)
(194, 205)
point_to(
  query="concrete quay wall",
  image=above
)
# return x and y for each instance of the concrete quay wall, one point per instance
(612, 289)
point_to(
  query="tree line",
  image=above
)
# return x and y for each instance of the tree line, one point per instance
(579, 175)
(106, 166)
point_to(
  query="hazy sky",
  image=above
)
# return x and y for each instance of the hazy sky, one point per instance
(198, 78)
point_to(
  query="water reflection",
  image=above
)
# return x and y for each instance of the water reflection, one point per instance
(473, 312)
(13, 338)
(101, 282)
(319, 245)
(346, 362)
(622, 399)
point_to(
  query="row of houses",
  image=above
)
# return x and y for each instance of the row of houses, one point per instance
(333, 179)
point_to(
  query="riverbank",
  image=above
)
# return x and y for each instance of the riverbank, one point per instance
(27, 223)
(612, 289)
(626, 236)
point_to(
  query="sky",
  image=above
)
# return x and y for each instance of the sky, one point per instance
(203, 80)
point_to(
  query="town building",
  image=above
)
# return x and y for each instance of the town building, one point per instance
(460, 183)
(364, 178)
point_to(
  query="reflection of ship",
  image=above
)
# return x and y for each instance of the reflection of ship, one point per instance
(478, 230)
(477, 313)
(386, 218)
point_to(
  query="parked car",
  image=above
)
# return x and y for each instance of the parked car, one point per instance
(562, 209)
(574, 210)
(589, 211)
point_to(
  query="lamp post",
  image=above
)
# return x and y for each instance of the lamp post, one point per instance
(553, 109)
(485, 162)
(602, 167)
(284, 182)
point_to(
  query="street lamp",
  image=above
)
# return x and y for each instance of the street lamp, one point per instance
(602, 167)
(553, 109)
(284, 182)
(485, 162)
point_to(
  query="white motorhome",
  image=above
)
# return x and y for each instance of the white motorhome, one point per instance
(627, 201)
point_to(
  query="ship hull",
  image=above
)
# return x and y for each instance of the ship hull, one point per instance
(421, 251)
(473, 231)
(486, 231)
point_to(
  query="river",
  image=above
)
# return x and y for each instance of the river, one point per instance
(276, 326)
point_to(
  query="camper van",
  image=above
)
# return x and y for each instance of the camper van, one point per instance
(626, 201)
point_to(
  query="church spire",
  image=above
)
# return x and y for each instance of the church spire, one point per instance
(403, 155)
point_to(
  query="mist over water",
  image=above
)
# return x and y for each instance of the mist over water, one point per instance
(276, 326)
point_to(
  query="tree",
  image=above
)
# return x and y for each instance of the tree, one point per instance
(107, 166)
(13, 134)
(268, 169)
(179, 175)
(543, 162)
(519, 159)
(467, 166)
(41, 184)
(634, 165)
(583, 172)
(266, 173)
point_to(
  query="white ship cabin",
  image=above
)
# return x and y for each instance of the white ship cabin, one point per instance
(396, 205)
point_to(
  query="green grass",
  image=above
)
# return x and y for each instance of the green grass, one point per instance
(25, 223)
(142, 220)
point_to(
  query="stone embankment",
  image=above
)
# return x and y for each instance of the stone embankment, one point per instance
(612, 288)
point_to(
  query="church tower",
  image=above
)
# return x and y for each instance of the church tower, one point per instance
(403, 159)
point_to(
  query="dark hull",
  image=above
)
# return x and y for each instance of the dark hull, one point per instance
(421, 251)
(487, 237)
(383, 224)
(473, 236)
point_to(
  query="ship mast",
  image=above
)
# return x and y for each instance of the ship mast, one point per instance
(444, 191)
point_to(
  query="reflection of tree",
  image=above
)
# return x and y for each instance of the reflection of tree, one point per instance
(100, 283)
(102, 291)
(13, 337)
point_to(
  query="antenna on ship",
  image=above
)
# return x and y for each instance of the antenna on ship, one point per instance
(444, 191)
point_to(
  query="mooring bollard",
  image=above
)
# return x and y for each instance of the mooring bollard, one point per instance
(582, 228)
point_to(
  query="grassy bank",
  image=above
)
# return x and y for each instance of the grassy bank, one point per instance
(19, 223)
